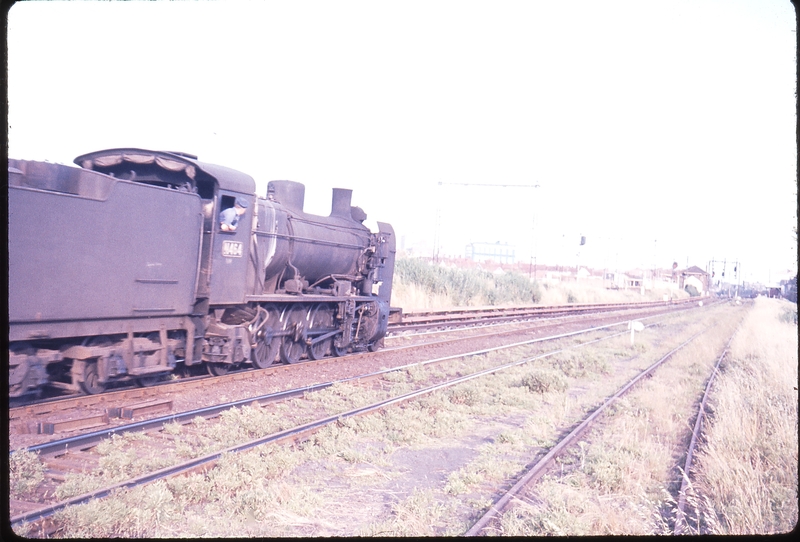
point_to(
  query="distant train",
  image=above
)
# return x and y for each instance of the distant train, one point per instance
(127, 267)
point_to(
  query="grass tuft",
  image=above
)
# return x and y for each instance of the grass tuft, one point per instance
(26, 472)
(544, 380)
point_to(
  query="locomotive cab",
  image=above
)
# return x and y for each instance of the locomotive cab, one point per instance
(230, 251)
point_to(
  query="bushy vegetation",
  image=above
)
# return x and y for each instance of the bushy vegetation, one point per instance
(26, 471)
(465, 286)
(543, 381)
(789, 315)
(422, 285)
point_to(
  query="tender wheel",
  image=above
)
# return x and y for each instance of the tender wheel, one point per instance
(91, 380)
(147, 381)
(218, 369)
(264, 353)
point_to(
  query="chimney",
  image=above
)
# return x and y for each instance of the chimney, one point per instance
(341, 202)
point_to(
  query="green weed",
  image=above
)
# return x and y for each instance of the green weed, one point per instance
(26, 472)
(544, 380)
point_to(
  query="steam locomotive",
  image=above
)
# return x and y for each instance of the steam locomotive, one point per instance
(121, 270)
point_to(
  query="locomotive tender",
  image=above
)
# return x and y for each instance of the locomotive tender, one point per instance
(119, 270)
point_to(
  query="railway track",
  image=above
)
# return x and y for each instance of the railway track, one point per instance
(82, 412)
(416, 322)
(80, 447)
(681, 517)
(472, 316)
(486, 524)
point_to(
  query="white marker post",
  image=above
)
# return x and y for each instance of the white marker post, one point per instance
(635, 326)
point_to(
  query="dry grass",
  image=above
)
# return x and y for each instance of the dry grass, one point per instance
(747, 471)
(592, 291)
(617, 481)
(414, 298)
(343, 480)
(420, 514)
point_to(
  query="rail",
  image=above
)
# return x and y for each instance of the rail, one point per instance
(680, 515)
(295, 433)
(476, 315)
(539, 468)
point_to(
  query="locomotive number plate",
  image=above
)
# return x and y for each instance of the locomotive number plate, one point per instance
(232, 249)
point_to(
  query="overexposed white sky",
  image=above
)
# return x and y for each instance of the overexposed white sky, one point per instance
(661, 130)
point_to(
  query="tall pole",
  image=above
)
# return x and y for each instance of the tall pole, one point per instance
(655, 261)
(533, 230)
(435, 255)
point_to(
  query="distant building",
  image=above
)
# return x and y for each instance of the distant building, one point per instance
(694, 276)
(495, 252)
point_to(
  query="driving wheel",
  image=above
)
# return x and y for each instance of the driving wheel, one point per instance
(264, 353)
(293, 345)
(321, 322)
(338, 351)
(266, 344)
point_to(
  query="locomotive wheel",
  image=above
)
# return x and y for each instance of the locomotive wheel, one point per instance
(264, 353)
(91, 380)
(291, 350)
(321, 320)
(218, 369)
(293, 345)
(338, 351)
(319, 350)
(147, 381)
(266, 344)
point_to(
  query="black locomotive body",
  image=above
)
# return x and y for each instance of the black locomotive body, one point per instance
(120, 270)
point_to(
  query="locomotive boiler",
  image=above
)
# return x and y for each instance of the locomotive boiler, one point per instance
(120, 270)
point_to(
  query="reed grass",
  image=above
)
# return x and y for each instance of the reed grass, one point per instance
(422, 285)
(747, 470)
